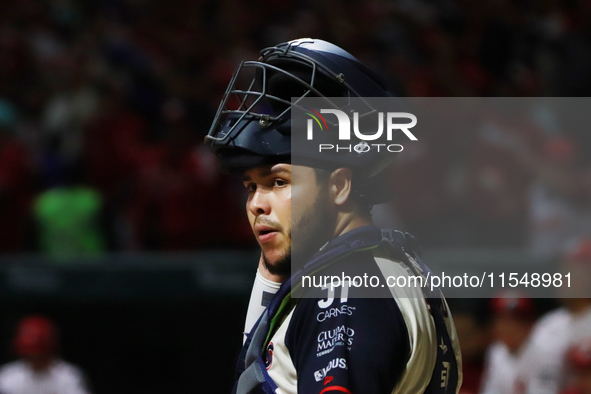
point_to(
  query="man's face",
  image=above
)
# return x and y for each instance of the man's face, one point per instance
(271, 190)
(512, 330)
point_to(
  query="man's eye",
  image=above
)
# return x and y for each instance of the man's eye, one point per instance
(280, 182)
(251, 187)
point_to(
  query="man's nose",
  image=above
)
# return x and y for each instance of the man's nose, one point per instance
(259, 203)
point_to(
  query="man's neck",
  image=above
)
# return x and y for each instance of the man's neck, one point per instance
(349, 223)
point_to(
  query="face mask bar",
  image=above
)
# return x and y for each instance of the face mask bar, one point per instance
(244, 97)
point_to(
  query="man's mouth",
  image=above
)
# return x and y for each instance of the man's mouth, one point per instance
(265, 233)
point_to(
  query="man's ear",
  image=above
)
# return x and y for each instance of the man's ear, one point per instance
(340, 185)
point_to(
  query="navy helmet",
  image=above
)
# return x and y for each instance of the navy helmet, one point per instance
(252, 126)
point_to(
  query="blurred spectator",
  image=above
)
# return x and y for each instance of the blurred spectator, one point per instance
(39, 369)
(543, 367)
(513, 318)
(68, 218)
(102, 82)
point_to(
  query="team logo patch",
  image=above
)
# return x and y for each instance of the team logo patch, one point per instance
(333, 364)
(330, 339)
(269, 355)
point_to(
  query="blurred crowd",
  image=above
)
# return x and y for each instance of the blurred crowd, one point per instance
(104, 106)
(496, 179)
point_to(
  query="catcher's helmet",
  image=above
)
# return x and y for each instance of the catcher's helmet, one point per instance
(252, 126)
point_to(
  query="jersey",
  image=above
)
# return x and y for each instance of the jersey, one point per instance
(540, 369)
(61, 378)
(401, 342)
(500, 370)
(543, 367)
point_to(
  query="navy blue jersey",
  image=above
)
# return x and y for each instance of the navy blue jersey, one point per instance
(403, 341)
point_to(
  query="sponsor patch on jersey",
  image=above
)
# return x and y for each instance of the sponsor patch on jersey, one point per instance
(334, 312)
(328, 340)
(269, 355)
(332, 364)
